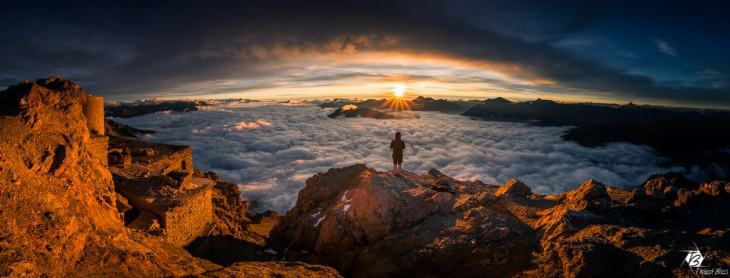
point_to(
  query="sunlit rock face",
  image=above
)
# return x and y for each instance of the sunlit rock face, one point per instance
(368, 223)
(59, 213)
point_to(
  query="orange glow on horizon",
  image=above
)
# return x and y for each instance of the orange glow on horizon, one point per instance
(395, 74)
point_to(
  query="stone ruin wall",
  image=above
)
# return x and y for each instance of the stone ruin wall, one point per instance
(180, 160)
(190, 219)
(94, 113)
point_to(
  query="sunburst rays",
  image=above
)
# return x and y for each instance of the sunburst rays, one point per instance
(398, 104)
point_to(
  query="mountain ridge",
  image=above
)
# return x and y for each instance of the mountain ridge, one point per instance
(368, 223)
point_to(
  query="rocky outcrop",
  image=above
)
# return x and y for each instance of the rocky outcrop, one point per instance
(513, 188)
(367, 223)
(59, 212)
(229, 211)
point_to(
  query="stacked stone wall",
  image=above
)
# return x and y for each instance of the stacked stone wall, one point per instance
(190, 219)
(181, 160)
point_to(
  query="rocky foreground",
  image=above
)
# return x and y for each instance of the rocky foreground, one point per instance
(59, 212)
(367, 223)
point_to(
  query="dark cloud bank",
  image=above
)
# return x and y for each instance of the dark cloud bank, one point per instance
(132, 49)
(271, 149)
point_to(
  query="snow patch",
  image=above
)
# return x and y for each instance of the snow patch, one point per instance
(270, 251)
(344, 197)
(345, 201)
(319, 220)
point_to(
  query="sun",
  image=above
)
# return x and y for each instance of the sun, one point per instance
(398, 102)
(399, 90)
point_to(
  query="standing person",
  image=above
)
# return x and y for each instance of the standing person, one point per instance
(397, 145)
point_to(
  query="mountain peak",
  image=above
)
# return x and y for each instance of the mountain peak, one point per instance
(497, 100)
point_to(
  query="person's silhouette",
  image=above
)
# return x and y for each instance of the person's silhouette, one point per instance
(397, 145)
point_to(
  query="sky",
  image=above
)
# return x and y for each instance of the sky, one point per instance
(650, 52)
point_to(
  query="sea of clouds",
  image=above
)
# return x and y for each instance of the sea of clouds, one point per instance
(270, 149)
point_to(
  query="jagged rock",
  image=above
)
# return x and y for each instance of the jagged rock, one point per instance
(229, 211)
(65, 221)
(367, 223)
(60, 215)
(123, 205)
(436, 173)
(665, 185)
(441, 182)
(513, 187)
(715, 188)
(262, 223)
(590, 195)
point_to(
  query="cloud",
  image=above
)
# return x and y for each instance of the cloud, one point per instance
(250, 125)
(665, 48)
(128, 51)
(271, 164)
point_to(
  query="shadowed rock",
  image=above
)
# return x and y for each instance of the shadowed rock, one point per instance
(367, 223)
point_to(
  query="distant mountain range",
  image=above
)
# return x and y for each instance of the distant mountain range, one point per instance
(417, 104)
(694, 136)
(139, 108)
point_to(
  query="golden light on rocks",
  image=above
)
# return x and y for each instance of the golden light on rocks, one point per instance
(349, 107)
